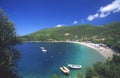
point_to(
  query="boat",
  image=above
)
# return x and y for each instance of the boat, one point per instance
(64, 70)
(73, 66)
(43, 49)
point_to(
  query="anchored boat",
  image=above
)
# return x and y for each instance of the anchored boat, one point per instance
(43, 49)
(73, 66)
(64, 70)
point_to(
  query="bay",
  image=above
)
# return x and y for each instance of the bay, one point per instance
(35, 63)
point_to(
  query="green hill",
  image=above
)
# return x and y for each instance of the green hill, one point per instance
(108, 34)
(80, 32)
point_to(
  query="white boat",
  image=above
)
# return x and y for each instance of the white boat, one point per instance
(73, 66)
(43, 49)
(64, 70)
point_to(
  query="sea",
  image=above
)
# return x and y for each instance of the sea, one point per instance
(35, 63)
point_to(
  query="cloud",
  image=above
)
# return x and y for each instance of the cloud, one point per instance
(106, 10)
(75, 22)
(59, 25)
(102, 15)
(113, 7)
(92, 17)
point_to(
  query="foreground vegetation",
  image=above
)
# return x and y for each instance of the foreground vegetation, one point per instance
(110, 69)
(8, 55)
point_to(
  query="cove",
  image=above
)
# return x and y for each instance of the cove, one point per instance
(37, 64)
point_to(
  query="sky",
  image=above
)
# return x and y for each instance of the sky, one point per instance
(32, 15)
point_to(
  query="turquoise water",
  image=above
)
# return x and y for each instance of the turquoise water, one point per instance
(37, 64)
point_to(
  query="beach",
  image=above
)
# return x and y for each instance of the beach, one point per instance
(104, 51)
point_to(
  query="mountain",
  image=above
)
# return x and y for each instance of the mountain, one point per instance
(108, 34)
(80, 32)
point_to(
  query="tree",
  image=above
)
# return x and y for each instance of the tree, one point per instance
(8, 55)
(110, 69)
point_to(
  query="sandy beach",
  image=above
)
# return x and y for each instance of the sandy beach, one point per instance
(106, 52)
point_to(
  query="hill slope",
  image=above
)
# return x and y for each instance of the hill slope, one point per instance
(81, 32)
(108, 34)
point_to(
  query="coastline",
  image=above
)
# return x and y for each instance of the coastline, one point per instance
(105, 52)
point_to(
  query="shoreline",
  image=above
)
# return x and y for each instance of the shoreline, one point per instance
(105, 52)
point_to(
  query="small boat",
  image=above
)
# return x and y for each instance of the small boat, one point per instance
(43, 49)
(64, 70)
(73, 66)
